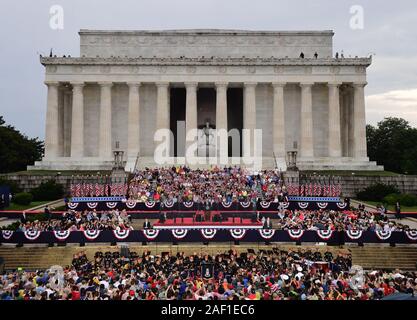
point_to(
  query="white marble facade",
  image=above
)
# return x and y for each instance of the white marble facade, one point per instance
(118, 91)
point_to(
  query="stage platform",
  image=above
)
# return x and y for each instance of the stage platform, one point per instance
(190, 223)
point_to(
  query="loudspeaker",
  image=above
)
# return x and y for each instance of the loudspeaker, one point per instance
(124, 251)
(1, 265)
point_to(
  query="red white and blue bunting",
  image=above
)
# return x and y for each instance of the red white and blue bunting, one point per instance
(92, 205)
(383, 235)
(169, 203)
(111, 205)
(72, 205)
(32, 234)
(131, 203)
(151, 234)
(179, 233)
(265, 204)
(303, 205)
(7, 234)
(208, 233)
(62, 235)
(295, 234)
(91, 234)
(245, 204)
(341, 205)
(267, 233)
(121, 234)
(322, 205)
(227, 204)
(412, 235)
(150, 204)
(188, 204)
(238, 233)
(285, 205)
(354, 234)
(325, 234)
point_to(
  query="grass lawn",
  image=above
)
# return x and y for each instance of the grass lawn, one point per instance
(391, 207)
(350, 173)
(18, 207)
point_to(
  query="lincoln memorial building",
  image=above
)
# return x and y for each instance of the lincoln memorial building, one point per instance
(128, 84)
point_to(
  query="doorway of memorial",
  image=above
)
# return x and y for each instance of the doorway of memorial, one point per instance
(177, 117)
(235, 118)
(206, 122)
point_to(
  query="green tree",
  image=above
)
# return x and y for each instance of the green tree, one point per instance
(393, 144)
(17, 150)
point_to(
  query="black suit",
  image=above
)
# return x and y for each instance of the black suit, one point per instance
(147, 225)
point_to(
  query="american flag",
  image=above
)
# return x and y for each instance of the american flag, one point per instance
(78, 190)
(326, 191)
(97, 190)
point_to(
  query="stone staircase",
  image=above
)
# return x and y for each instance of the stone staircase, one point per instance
(369, 257)
(382, 257)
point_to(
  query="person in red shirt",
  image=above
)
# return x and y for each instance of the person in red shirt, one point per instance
(75, 293)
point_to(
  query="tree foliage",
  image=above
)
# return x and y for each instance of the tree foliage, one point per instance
(17, 151)
(393, 144)
(48, 191)
(377, 192)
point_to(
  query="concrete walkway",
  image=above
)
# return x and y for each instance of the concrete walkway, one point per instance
(411, 222)
(53, 204)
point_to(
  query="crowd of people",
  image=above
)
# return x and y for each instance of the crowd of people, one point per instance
(337, 220)
(227, 184)
(80, 221)
(267, 275)
(282, 220)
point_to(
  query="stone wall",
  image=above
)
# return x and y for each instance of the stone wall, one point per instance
(29, 182)
(194, 43)
(352, 185)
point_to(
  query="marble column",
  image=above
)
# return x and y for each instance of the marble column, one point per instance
(133, 130)
(249, 117)
(77, 126)
(162, 107)
(105, 136)
(190, 110)
(221, 105)
(52, 125)
(221, 113)
(278, 121)
(345, 123)
(306, 130)
(335, 141)
(359, 122)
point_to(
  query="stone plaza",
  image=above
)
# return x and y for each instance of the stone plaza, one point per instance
(126, 85)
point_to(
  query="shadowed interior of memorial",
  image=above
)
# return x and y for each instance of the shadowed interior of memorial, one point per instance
(177, 106)
(235, 116)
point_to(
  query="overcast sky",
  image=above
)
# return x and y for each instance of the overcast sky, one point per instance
(389, 32)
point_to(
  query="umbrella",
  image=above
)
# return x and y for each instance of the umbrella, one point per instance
(400, 296)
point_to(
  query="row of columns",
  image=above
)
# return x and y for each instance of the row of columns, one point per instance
(306, 148)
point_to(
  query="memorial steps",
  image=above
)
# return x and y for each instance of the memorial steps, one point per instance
(382, 257)
(369, 257)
